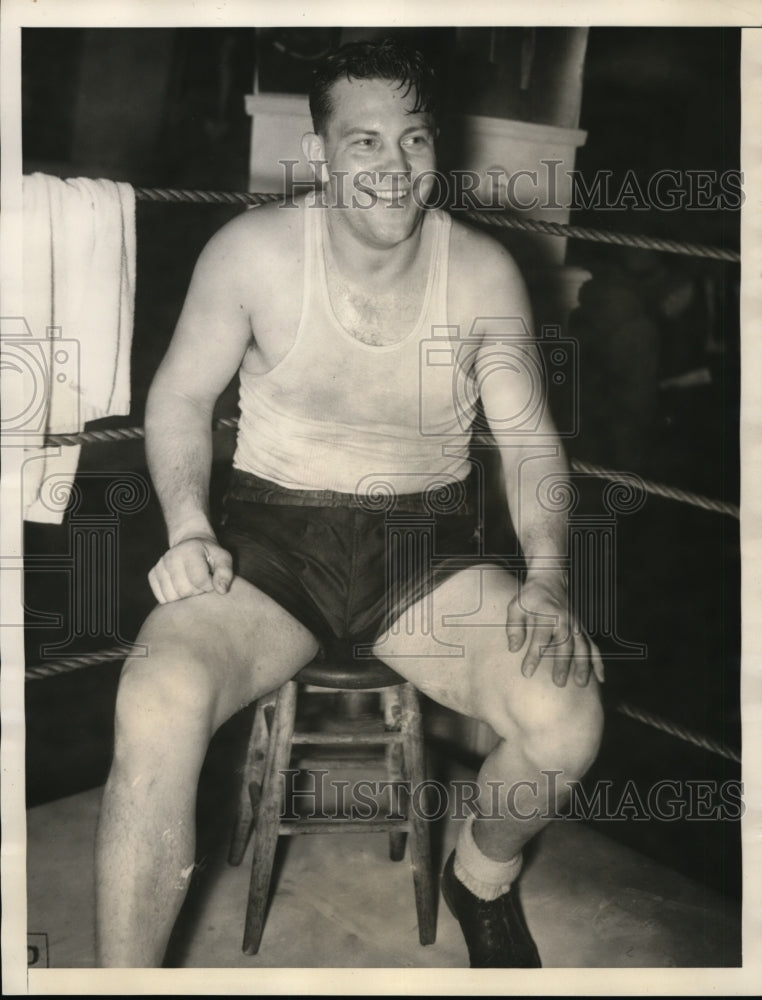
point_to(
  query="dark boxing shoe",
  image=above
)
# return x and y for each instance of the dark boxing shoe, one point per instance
(495, 931)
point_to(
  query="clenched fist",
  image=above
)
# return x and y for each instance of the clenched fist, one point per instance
(193, 566)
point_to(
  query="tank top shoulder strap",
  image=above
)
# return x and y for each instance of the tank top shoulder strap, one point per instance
(311, 245)
(440, 264)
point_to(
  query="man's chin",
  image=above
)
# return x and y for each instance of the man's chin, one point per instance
(390, 225)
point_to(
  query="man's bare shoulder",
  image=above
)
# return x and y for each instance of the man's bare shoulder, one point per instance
(481, 260)
(262, 236)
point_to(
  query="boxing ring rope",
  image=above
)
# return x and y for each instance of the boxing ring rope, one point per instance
(252, 199)
(660, 489)
(68, 664)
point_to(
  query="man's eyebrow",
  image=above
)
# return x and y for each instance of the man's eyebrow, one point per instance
(357, 130)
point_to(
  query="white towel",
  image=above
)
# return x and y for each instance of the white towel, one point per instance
(79, 295)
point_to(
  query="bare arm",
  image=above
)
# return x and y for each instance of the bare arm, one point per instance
(507, 372)
(208, 345)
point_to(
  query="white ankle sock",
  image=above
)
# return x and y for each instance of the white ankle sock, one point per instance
(485, 878)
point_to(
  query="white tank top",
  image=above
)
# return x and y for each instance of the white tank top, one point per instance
(338, 414)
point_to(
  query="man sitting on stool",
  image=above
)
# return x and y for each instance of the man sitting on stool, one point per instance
(323, 305)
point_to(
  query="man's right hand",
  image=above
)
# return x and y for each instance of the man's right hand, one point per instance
(193, 566)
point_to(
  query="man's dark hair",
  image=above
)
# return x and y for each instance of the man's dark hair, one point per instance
(386, 60)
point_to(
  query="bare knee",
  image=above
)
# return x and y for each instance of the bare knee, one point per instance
(165, 700)
(559, 728)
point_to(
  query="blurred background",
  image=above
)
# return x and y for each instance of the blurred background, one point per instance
(657, 334)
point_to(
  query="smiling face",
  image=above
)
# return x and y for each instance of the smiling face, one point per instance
(379, 158)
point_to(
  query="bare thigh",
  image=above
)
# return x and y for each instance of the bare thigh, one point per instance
(235, 646)
(452, 645)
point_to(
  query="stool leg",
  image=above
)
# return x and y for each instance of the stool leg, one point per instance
(420, 847)
(268, 816)
(251, 782)
(394, 763)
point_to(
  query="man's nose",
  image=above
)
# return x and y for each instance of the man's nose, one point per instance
(395, 161)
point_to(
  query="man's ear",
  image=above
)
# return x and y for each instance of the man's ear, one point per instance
(314, 152)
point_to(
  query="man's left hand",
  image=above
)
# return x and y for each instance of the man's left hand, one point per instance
(539, 617)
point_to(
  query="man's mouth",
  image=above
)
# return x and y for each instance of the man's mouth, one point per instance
(393, 197)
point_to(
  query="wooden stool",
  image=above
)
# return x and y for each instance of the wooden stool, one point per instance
(269, 753)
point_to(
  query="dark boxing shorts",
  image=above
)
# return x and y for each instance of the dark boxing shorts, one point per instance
(346, 566)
